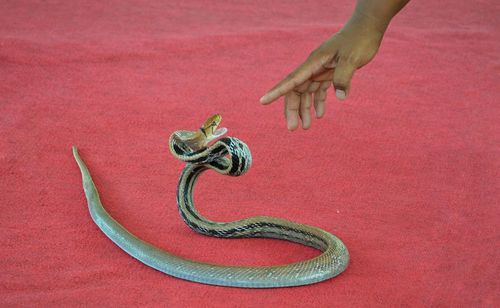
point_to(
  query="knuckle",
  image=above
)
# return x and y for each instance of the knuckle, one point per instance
(325, 85)
(342, 58)
(313, 53)
(316, 52)
(353, 59)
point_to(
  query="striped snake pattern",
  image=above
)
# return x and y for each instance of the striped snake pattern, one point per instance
(229, 156)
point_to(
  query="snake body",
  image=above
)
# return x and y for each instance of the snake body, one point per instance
(229, 156)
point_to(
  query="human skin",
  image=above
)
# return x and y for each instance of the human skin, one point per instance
(334, 62)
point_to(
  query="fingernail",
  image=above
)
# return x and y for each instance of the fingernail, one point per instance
(292, 124)
(319, 111)
(340, 94)
(263, 99)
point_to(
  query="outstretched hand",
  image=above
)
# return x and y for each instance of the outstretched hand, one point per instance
(335, 61)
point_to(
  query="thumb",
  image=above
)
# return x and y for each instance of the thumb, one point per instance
(342, 79)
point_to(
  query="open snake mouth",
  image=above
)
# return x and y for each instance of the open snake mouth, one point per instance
(190, 145)
(218, 133)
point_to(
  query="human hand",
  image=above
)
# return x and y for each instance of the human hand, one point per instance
(335, 60)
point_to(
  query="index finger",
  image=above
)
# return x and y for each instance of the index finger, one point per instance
(302, 73)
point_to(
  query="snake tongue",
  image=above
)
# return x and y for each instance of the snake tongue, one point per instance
(217, 134)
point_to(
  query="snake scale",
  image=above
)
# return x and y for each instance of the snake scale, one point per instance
(229, 156)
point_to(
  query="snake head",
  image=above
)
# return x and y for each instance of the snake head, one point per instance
(209, 128)
(193, 141)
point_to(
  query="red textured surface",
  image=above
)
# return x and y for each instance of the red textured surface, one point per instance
(405, 172)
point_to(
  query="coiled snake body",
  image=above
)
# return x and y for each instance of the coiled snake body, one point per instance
(232, 157)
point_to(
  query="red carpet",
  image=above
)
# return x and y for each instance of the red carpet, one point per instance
(405, 172)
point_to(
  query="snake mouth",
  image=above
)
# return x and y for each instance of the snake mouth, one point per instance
(215, 135)
(219, 133)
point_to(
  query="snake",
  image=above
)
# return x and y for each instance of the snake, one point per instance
(207, 149)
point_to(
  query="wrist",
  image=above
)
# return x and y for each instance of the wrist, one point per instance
(378, 12)
(363, 25)
(369, 18)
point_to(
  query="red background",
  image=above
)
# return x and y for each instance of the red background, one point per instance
(405, 172)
